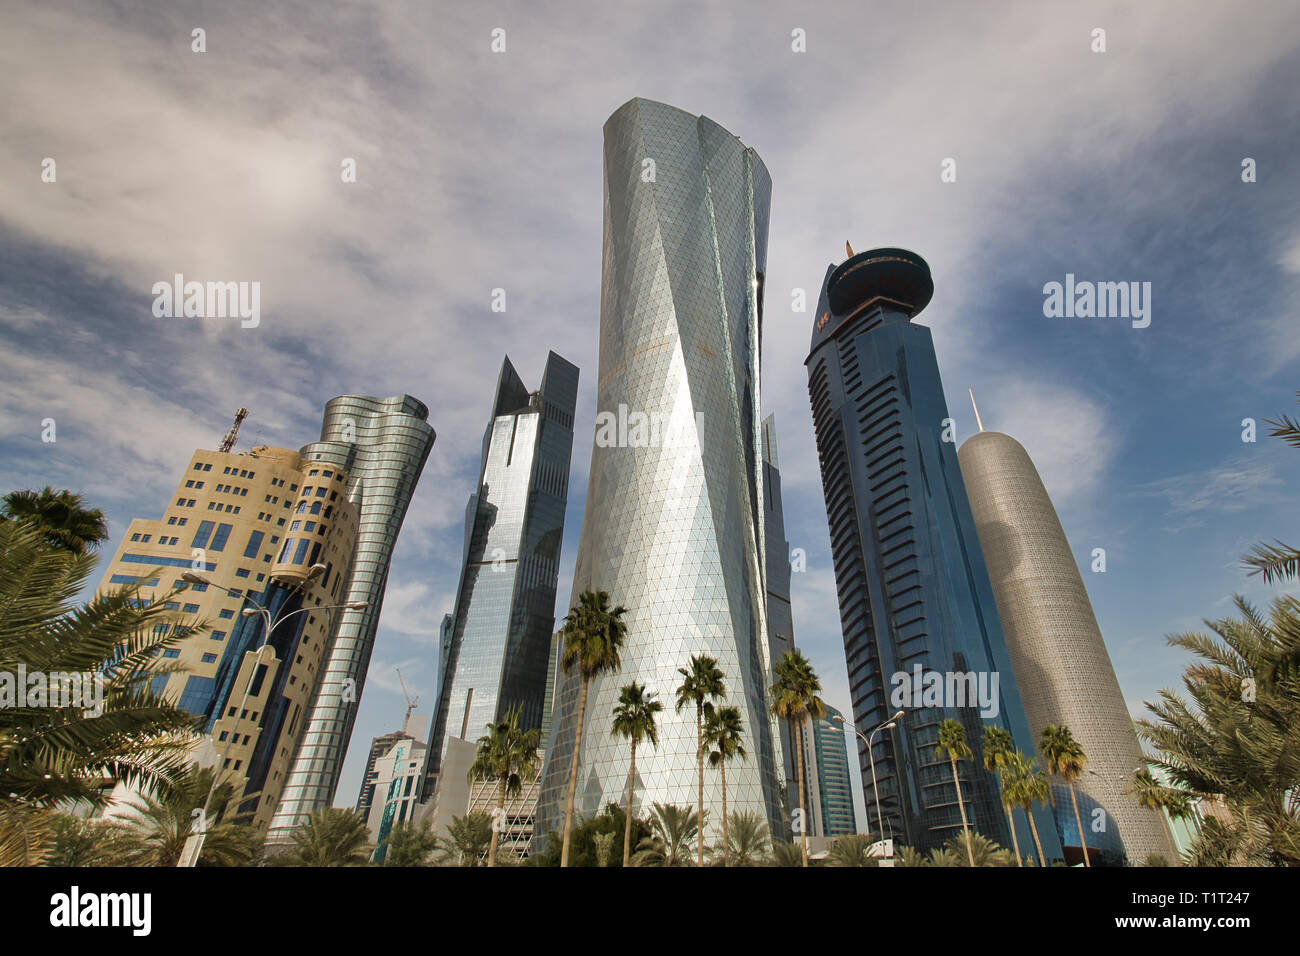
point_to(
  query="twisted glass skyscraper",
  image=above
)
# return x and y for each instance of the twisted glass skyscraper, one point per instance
(499, 656)
(915, 598)
(382, 444)
(674, 527)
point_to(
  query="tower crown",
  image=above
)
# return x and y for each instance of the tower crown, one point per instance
(887, 275)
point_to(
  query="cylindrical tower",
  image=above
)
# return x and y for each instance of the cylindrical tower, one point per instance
(1060, 659)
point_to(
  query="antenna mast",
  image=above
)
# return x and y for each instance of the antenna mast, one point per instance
(977, 409)
(228, 442)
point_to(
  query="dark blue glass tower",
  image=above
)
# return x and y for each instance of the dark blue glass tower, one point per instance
(913, 588)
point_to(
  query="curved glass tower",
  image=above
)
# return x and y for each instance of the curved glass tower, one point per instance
(673, 526)
(1056, 646)
(382, 444)
(915, 600)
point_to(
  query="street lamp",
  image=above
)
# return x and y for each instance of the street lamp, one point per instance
(194, 843)
(871, 756)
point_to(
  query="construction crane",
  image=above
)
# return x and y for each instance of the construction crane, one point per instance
(228, 442)
(411, 704)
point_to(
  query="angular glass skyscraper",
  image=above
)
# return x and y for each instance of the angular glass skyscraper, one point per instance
(382, 444)
(674, 522)
(780, 618)
(915, 598)
(1056, 645)
(501, 632)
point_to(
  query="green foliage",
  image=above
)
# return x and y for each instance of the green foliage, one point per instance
(331, 836)
(52, 757)
(748, 840)
(786, 854)
(593, 635)
(851, 850)
(634, 716)
(467, 840)
(583, 847)
(410, 844)
(1237, 731)
(58, 517)
(672, 830)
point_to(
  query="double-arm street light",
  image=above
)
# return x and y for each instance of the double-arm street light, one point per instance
(194, 845)
(867, 739)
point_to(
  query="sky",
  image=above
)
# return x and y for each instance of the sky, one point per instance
(479, 170)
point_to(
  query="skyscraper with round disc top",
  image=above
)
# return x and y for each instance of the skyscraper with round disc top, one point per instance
(673, 526)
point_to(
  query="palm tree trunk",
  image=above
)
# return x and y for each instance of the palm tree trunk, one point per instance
(726, 852)
(1015, 842)
(797, 734)
(496, 821)
(1042, 860)
(961, 805)
(1169, 833)
(627, 824)
(699, 757)
(1079, 823)
(573, 773)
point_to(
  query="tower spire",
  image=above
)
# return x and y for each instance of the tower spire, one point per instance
(977, 409)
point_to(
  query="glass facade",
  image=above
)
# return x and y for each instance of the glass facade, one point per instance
(382, 444)
(915, 597)
(780, 619)
(834, 790)
(500, 637)
(674, 525)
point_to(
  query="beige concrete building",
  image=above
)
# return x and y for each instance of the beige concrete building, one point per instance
(252, 526)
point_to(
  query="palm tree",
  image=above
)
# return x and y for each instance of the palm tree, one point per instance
(786, 854)
(997, 746)
(162, 824)
(410, 844)
(1025, 785)
(1152, 795)
(634, 718)
(1237, 732)
(52, 756)
(332, 836)
(507, 755)
(1278, 561)
(593, 635)
(952, 742)
(702, 681)
(852, 849)
(794, 697)
(671, 830)
(1066, 759)
(747, 839)
(987, 852)
(723, 731)
(466, 841)
(59, 516)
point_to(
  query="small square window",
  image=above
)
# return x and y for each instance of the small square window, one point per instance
(209, 658)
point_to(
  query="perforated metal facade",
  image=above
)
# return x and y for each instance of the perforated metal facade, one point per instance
(1064, 671)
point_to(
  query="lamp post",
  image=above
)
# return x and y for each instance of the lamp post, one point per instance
(194, 843)
(886, 725)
